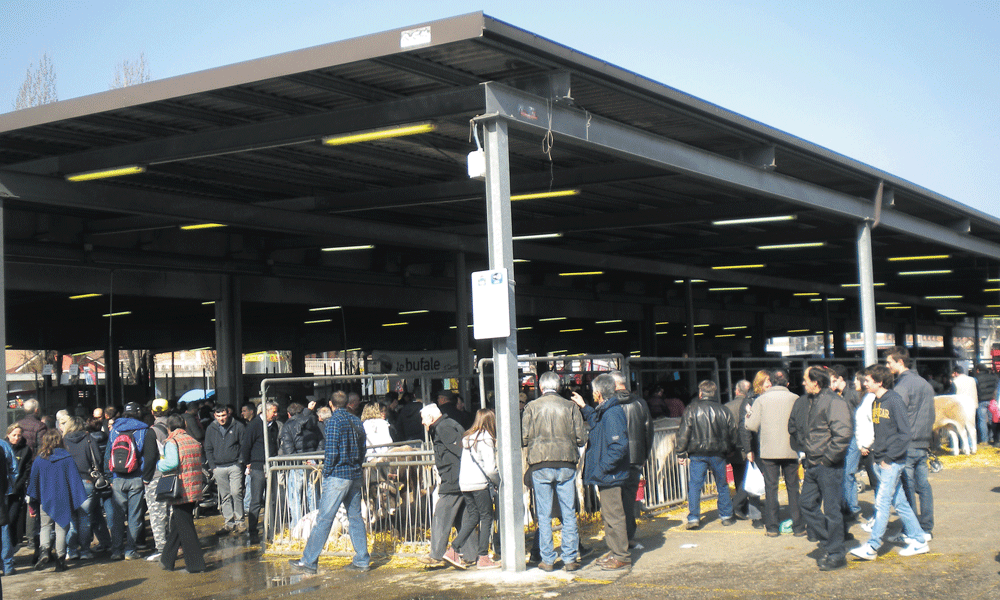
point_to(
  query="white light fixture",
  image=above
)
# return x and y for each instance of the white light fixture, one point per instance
(348, 248)
(537, 236)
(414, 312)
(935, 272)
(854, 285)
(792, 246)
(319, 308)
(752, 220)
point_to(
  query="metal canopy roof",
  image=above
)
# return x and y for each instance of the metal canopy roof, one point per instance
(241, 146)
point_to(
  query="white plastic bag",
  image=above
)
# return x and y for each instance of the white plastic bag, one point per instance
(753, 483)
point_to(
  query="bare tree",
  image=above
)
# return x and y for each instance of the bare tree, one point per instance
(131, 72)
(39, 85)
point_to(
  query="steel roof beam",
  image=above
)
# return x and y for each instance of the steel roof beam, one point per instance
(268, 134)
(578, 127)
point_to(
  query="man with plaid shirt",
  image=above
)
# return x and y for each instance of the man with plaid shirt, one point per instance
(344, 454)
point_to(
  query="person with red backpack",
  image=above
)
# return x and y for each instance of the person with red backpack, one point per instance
(130, 459)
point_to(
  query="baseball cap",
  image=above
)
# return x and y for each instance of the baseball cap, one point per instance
(161, 405)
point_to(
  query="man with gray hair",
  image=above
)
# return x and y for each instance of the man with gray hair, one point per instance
(31, 425)
(261, 441)
(553, 431)
(640, 443)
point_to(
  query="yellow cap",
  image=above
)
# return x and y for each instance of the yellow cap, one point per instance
(161, 405)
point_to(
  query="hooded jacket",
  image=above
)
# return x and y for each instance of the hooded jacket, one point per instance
(56, 484)
(83, 448)
(707, 429)
(607, 459)
(145, 445)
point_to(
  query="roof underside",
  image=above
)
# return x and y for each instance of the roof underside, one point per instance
(240, 145)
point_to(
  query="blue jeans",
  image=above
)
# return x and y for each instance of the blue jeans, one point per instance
(890, 493)
(301, 496)
(80, 533)
(915, 484)
(851, 462)
(988, 432)
(560, 483)
(698, 468)
(128, 493)
(338, 491)
(7, 553)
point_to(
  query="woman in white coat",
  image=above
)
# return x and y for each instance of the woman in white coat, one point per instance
(478, 480)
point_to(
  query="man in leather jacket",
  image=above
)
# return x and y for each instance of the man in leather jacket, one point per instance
(824, 437)
(706, 436)
(552, 432)
(640, 443)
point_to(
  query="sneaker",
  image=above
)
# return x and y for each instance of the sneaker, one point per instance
(72, 555)
(485, 562)
(132, 556)
(86, 555)
(357, 568)
(153, 557)
(691, 525)
(865, 552)
(915, 548)
(928, 537)
(867, 525)
(452, 557)
(298, 565)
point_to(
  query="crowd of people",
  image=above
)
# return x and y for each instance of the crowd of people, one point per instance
(882, 416)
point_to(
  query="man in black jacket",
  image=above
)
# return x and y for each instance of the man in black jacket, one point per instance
(823, 436)
(224, 453)
(447, 437)
(707, 435)
(640, 443)
(254, 454)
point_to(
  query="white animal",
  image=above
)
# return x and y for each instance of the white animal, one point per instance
(954, 416)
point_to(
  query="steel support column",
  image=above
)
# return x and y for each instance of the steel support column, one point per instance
(501, 253)
(3, 323)
(976, 346)
(691, 346)
(826, 326)
(229, 342)
(463, 301)
(866, 279)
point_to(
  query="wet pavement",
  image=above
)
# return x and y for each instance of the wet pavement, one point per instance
(713, 562)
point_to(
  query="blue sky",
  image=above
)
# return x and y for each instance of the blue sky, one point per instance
(910, 87)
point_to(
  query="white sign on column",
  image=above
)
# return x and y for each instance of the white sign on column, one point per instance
(490, 304)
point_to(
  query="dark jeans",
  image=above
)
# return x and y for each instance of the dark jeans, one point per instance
(741, 499)
(181, 532)
(629, 492)
(822, 486)
(447, 511)
(478, 511)
(258, 484)
(789, 469)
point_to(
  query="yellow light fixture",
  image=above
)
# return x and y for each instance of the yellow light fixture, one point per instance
(537, 236)
(379, 134)
(82, 296)
(728, 289)
(524, 328)
(105, 173)
(925, 257)
(581, 273)
(886, 303)
(806, 294)
(728, 267)
(735, 327)
(692, 281)
(703, 325)
(854, 285)
(662, 332)
(798, 331)
(617, 331)
(992, 290)
(752, 220)
(318, 321)
(400, 324)
(552, 319)
(209, 303)
(569, 330)
(542, 195)
(607, 322)
(521, 260)
(792, 246)
(414, 312)
(317, 309)
(725, 335)
(898, 307)
(202, 226)
(348, 248)
(942, 297)
(664, 323)
(828, 299)
(117, 314)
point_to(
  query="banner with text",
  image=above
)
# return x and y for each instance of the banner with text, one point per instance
(441, 363)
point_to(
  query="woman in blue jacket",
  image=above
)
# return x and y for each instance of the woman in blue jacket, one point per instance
(56, 486)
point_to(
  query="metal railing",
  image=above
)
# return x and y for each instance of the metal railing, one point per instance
(693, 369)
(750, 366)
(396, 499)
